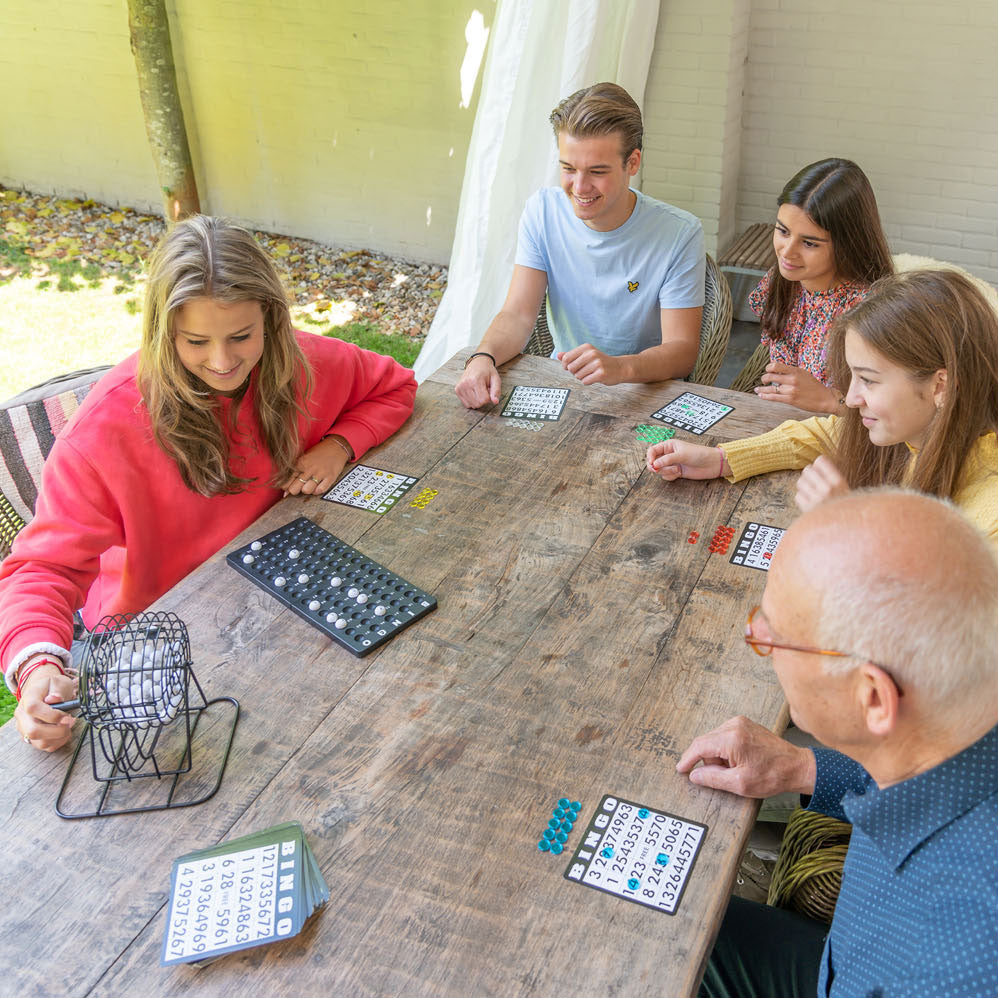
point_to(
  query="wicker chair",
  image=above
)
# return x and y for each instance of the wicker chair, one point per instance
(808, 873)
(29, 424)
(748, 377)
(715, 328)
(540, 343)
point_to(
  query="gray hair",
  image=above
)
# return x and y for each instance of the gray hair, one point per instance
(935, 632)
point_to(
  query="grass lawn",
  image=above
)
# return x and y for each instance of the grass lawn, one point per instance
(58, 316)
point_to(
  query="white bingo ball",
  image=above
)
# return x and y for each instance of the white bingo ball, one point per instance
(380, 610)
(303, 578)
(280, 581)
(336, 581)
(331, 618)
(314, 605)
(352, 591)
(248, 559)
(256, 546)
(294, 554)
(362, 598)
(340, 624)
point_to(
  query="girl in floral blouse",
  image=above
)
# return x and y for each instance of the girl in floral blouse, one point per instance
(830, 248)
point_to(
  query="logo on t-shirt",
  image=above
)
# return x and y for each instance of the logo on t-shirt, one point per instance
(632, 286)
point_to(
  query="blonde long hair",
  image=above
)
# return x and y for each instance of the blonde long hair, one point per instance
(923, 321)
(204, 257)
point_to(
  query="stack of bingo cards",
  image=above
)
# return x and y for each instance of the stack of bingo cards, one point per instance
(241, 893)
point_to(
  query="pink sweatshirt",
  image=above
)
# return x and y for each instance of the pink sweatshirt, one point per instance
(115, 527)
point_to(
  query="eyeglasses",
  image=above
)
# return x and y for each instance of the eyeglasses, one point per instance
(761, 647)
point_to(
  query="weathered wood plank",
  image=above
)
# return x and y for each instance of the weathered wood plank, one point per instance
(635, 402)
(579, 641)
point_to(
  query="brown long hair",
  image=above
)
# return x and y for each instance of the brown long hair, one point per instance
(836, 195)
(204, 257)
(923, 321)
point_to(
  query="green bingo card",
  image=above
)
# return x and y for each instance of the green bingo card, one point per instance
(245, 892)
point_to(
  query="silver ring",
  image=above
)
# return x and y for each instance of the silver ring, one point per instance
(312, 478)
(777, 388)
(304, 481)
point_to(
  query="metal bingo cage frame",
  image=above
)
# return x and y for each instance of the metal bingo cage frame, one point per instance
(142, 704)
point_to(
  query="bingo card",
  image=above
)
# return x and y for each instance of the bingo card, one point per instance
(756, 546)
(692, 413)
(246, 892)
(637, 853)
(531, 402)
(370, 488)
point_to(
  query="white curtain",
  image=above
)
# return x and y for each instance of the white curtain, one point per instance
(539, 52)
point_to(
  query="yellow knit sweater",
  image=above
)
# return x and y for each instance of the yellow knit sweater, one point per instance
(794, 445)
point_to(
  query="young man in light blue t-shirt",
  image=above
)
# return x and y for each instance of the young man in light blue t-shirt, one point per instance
(623, 273)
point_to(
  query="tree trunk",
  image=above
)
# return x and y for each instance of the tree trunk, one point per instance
(153, 51)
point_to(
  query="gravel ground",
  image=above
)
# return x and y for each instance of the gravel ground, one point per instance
(336, 285)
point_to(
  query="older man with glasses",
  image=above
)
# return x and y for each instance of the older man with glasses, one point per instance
(881, 617)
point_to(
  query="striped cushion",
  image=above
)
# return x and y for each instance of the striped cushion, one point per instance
(27, 431)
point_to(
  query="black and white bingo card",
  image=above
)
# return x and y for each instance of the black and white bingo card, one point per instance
(637, 853)
(757, 545)
(535, 402)
(370, 488)
(692, 413)
(242, 893)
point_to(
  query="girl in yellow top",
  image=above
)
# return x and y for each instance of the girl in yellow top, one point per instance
(920, 356)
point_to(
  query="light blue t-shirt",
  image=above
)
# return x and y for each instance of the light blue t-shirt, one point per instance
(608, 288)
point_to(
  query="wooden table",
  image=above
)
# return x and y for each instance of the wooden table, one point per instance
(579, 645)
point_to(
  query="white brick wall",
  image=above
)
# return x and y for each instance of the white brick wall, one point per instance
(907, 90)
(692, 110)
(340, 120)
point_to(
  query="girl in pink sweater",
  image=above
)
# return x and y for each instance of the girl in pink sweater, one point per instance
(179, 448)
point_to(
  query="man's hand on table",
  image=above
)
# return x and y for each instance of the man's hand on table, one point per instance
(592, 366)
(39, 724)
(749, 760)
(480, 384)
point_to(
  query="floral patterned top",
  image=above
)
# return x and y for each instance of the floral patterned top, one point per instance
(803, 341)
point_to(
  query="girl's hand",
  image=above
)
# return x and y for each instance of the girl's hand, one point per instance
(318, 468)
(40, 725)
(672, 459)
(795, 386)
(818, 482)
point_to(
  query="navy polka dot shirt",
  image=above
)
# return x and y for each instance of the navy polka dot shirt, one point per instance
(918, 910)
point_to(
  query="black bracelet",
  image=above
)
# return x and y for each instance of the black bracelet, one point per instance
(481, 353)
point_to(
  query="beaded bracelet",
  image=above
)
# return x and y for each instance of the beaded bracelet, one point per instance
(26, 670)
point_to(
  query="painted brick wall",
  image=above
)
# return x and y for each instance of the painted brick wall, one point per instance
(338, 121)
(70, 119)
(909, 90)
(692, 110)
